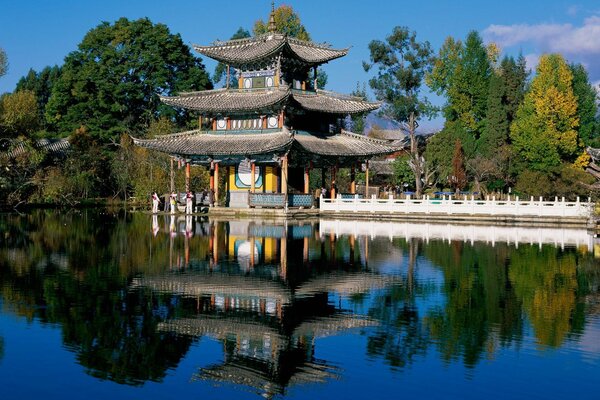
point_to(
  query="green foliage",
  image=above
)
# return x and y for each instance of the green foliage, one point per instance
(221, 69)
(544, 132)
(16, 184)
(547, 289)
(458, 180)
(41, 83)
(439, 152)
(358, 121)
(287, 21)
(112, 82)
(402, 171)
(462, 72)
(587, 106)
(3, 62)
(506, 92)
(401, 62)
(84, 174)
(18, 113)
(567, 181)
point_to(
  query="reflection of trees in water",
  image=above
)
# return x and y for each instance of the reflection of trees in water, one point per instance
(74, 269)
(69, 281)
(481, 309)
(112, 329)
(546, 283)
(401, 336)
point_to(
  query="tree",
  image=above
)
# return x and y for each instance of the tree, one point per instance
(458, 180)
(402, 173)
(544, 132)
(3, 62)
(462, 72)
(506, 92)
(221, 69)
(587, 105)
(287, 21)
(402, 63)
(18, 113)
(112, 82)
(41, 83)
(358, 121)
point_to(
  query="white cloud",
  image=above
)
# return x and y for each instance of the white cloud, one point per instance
(562, 38)
(577, 43)
(532, 60)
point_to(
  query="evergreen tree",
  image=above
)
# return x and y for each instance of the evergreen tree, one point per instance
(221, 69)
(544, 133)
(41, 84)
(495, 132)
(506, 91)
(112, 83)
(587, 105)
(462, 72)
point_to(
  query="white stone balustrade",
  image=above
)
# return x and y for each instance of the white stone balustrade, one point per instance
(448, 205)
(490, 234)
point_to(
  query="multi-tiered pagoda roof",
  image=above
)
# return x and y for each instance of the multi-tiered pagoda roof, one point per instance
(271, 115)
(240, 52)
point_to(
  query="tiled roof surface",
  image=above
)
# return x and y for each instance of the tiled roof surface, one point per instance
(221, 144)
(242, 100)
(241, 51)
(218, 144)
(344, 144)
(228, 100)
(331, 102)
(54, 147)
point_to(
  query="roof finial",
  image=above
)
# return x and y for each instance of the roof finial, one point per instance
(272, 27)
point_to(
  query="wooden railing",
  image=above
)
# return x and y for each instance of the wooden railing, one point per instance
(452, 206)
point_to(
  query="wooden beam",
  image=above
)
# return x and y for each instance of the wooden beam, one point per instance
(216, 184)
(284, 174)
(353, 179)
(366, 179)
(212, 178)
(172, 175)
(252, 177)
(187, 176)
(306, 179)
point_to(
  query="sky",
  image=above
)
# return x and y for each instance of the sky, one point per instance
(35, 34)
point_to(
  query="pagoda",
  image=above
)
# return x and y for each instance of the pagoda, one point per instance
(274, 127)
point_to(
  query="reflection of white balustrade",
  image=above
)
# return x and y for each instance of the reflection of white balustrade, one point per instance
(451, 206)
(466, 233)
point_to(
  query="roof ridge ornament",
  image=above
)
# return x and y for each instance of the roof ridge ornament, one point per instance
(272, 27)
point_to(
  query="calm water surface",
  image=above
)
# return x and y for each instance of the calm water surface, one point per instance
(101, 305)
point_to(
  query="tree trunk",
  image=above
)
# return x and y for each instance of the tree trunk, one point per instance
(414, 154)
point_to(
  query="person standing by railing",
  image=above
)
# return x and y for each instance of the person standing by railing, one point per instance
(155, 202)
(173, 202)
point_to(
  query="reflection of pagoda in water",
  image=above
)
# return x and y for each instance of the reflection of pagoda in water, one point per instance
(265, 292)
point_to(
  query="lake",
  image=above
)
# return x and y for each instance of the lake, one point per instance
(100, 304)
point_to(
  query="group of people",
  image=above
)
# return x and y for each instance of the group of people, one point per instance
(189, 202)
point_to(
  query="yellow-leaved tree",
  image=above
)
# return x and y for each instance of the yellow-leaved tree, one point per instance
(544, 132)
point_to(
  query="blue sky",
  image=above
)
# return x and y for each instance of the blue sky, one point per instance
(39, 33)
